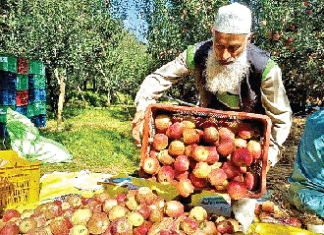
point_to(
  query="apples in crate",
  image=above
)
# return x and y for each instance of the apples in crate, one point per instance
(200, 148)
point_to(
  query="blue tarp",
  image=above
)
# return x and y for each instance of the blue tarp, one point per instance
(307, 181)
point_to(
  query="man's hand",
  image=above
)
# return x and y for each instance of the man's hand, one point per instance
(137, 127)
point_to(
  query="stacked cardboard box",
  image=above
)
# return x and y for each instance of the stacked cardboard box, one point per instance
(23, 89)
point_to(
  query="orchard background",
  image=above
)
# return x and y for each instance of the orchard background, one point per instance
(91, 57)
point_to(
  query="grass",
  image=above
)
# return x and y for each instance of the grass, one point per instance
(99, 139)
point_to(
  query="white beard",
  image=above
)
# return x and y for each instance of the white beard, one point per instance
(223, 78)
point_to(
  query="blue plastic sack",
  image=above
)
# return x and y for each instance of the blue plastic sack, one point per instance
(306, 190)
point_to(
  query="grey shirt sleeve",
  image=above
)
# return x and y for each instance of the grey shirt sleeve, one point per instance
(277, 107)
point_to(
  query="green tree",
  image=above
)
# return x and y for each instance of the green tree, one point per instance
(293, 32)
(77, 40)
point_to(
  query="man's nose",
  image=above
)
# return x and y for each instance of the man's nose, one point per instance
(225, 55)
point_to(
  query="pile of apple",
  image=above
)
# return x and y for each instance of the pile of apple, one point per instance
(200, 153)
(268, 212)
(135, 212)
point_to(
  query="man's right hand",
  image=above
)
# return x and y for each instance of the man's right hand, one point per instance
(137, 127)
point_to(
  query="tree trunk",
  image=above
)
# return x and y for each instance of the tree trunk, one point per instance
(61, 77)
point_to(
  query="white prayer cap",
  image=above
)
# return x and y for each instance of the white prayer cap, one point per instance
(234, 18)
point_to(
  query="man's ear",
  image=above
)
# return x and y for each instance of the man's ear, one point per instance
(249, 37)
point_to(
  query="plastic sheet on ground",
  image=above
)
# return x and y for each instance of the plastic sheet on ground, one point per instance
(26, 140)
(268, 228)
(306, 190)
(57, 184)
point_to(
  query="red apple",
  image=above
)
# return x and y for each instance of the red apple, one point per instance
(197, 182)
(74, 200)
(236, 190)
(60, 225)
(136, 219)
(217, 177)
(144, 210)
(225, 227)
(109, 204)
(143, 229)
(251, 180)
(27, 224)
(181, 174)
(162, 122)
(176, 148)
(175, 130)
(98, 222)
(189, 225)
(81, 216)
(101, 197)
(165, 175)
(189, 149)
(174, 208)
(160, 141)
(165, 158)
(9, 214)
(198, 213)
(144, 195)
(165, 232)
(79, 230)
(9, 229)
(191, 136)
(240, 143)
(254, 148)
(151, 166)
(181, 163)
(115, 213)
(242, 157)
(200, 153)
(201, 170)
(231, 169)
(121, 226)
(188, 124)
(53, 210)
(208, 227)
(268, 206)
(185, 187)
(210, 135)
(246, 130)
(132, 203)
(156, 214)
(213, 155)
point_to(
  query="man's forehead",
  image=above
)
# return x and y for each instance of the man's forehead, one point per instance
(220, 38)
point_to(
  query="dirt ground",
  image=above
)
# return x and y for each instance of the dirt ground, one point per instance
(277, 178)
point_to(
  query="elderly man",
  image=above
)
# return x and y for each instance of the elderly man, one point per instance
(231, 74)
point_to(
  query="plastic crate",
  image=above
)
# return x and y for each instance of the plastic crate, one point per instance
(39, 120)
(200, 115)
(39, 108)
(3, 132)
(8, 63)
(40, 82)
(22, 110)
(30, 110)
(3, 114)
(8, 80)
(8, 97)
(36, 95)
(22, 66)
(22, 82)
(22, 98)
(36, 67)
(19, 180)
